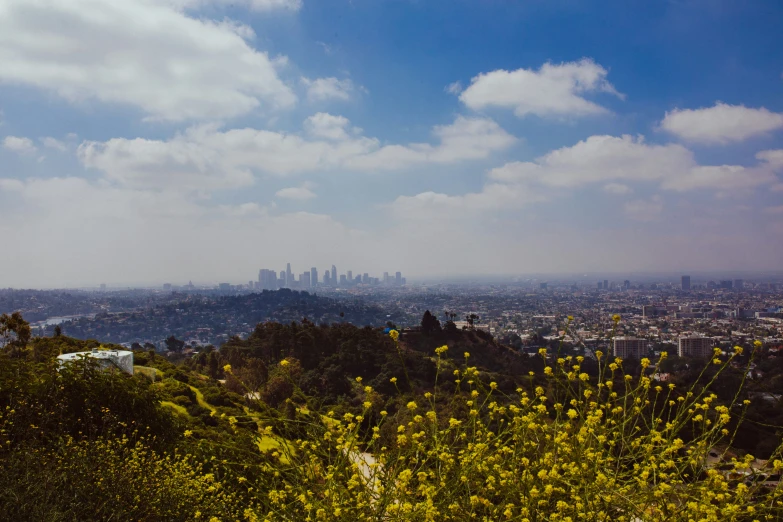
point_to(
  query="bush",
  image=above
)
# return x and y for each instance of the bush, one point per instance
(111, 480)
(618, 447)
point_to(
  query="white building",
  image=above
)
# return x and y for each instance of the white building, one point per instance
(121, 359)
(630, 348)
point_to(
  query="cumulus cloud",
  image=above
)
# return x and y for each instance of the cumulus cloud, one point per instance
(721, 123)
(552, 90)
(301, 193)
(143, 53)
(625, 158)
(53, 143)
(204, 157)
(19, 145)
(331, 88)
(607, 160)
(325, 125)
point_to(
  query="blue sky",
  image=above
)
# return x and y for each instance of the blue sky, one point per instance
(159, 141)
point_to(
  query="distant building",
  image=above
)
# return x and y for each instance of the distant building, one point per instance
(167, 287)
(343, 280)
(224, 287)
(606, 284)
(726, 284)
(630, 348)
(121, 359)
(694, 346)
(313, 277)
(653, 311)
(626, 285)
(542, 286)
(398, 278)
(600, 285)
(103, 287)
(349, 276)
(304, 280)
(739, 284)
(686, 282)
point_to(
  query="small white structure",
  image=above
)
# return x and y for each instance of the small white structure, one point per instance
(122, 359)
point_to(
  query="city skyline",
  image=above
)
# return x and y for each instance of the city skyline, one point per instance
(225, 133)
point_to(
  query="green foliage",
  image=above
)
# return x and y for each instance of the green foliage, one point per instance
(112, 479)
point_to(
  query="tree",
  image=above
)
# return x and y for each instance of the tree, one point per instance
(471, 320)
(14, 332)
(58, 331)
(174, 345)
(430, 324)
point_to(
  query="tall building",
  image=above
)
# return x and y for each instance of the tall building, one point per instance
(600, 285)
(334, 275)
(686, 282)
(726, 284)
(313, 277)
(289, 277)
(606, 284)
(350, 276)
(327, 277)
(739, 284)
(694, 346)
(398, 278)
(343, 280)
(630, 348)
(304, 280)
(365, 278)
(267, 279)
(386, 280)
(626, 285)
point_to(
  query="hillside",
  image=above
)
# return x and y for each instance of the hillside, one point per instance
(212, 320)
(454, 425)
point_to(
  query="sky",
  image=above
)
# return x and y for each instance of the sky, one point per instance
(152, 141)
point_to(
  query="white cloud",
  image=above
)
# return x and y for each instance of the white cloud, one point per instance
(552, 90)
(302, 193)
(617, 188)
(205, 158)
(721, 124)
(598, 159)
(329, 89)
(52, 143)
(325, 125)
(143, 53)
(464, 139)
(644, 210)
(610, 158)
(255, 5)
(19, 145)
(454, 88)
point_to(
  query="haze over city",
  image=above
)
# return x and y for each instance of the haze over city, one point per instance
(154, 141)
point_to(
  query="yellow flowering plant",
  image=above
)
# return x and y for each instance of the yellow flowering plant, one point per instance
(616, 447)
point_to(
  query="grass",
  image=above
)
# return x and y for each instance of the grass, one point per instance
(176, 407)
(152, 374)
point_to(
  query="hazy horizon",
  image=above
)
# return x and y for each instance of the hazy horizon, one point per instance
(154, 141)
